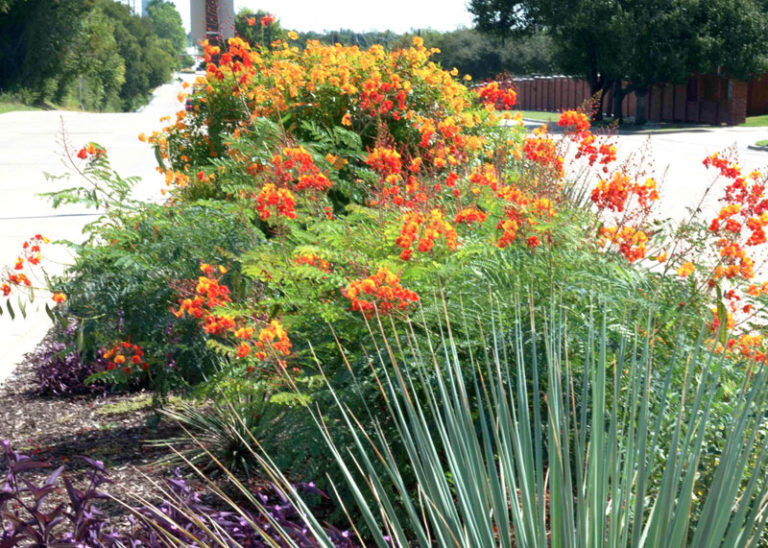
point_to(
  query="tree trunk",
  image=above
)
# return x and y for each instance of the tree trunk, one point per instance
(640, 111)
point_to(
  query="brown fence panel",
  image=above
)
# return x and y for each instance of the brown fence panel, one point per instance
(678, 108)
(523, 95)
(757, 98)
(708, 111)
(706, 98)
(739, 99)
(550, 93)
(630, 103)
(654, 100)
(668, 103)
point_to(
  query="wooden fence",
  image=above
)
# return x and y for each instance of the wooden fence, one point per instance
(705, 99)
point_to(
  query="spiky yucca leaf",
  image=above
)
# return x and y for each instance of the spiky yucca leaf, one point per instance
(605, 450)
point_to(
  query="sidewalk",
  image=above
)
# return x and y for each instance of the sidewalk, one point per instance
(31, 143)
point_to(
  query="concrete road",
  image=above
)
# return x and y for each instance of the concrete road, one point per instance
(32, 143)
(677, 158)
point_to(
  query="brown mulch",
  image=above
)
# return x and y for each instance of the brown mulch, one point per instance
(111, 428)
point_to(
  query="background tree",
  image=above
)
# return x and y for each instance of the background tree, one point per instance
(167, 23)
(503, 18)
(249, 27)
(94, 71)
(148, 58)
(483, 56)
(90, 53)
(609, 42)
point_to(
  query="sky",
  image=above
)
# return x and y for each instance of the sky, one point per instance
(358, 15)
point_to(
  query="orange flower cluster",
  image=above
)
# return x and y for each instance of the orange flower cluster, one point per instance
(686, 269)
(381, 292)
(278, 200)
(386, 162)
(521, 212)
(272, 336)
(275, 336)
(734, 261)
(578, 121)
(91, 150)
(469, 215)
(312, 259)
(128, 356)
(730, 323)
(750, 346)
(485, 175)
(741, 221)
(209, 294)
(614, 193)
(631, 242)
(595, 151)
(377, 98)
(425, 229)
(494, 95)
(509, 228)
(30, 255)
(541, 149)
(297, 164)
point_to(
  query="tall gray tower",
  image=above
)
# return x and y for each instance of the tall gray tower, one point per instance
(212, 20)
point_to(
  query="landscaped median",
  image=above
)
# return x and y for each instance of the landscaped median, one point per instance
(362, 279)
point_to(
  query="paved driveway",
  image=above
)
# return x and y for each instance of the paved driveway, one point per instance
(31, 144)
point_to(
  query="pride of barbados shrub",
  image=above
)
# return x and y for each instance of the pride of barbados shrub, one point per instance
(361, 181)
(373, 175)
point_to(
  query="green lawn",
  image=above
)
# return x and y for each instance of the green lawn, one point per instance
(752, 121)
(657, 127)
(537, 115)
(11, 107)
(756, 121)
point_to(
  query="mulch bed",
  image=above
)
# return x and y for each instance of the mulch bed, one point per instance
(111, 428)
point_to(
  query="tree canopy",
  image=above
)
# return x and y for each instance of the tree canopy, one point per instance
(167, 23)
(258, 27)
(90, 53)
(642, 41)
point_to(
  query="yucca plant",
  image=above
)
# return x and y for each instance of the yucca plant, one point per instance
(607, 450)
